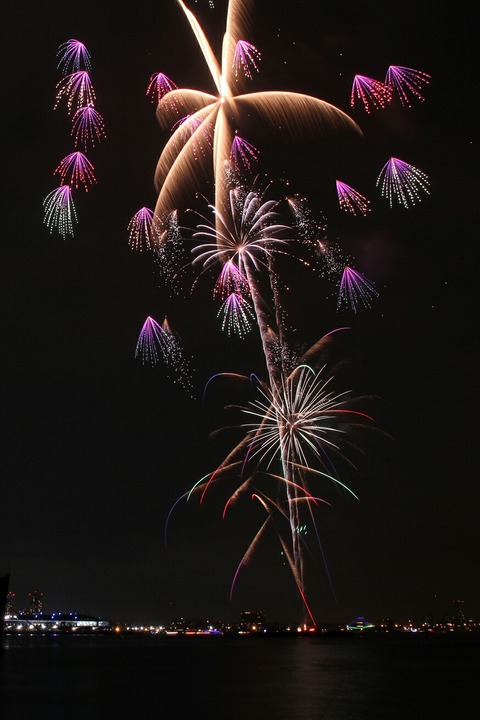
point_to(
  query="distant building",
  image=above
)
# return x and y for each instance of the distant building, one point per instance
(10, 604)
(456, 614)
(252, 621)
(359, 625)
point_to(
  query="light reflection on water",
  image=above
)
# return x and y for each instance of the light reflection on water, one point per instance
(220, 678)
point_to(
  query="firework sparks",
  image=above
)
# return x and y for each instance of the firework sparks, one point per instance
(77, 169)
(245, 231)
(150, 342)
(237, 315)
(178, 170)
(242, 154)
(159, 86)
(59, 211)
(402, 182)
(245, 58)
(143, 230)
(77, 90)
(158, 343)
(355, 290)
(88, 127)
(351, 201)
(372, 93)
(73, 55)
(231, 280)
(406, 83)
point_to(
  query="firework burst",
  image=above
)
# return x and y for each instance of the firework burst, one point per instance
(59, 211)
(73, 55)
(76, 90)
(178, 171)
(143, 230)
(406, 83)
(355, 290)
(77, 170)
(402, 182)
(351, 201)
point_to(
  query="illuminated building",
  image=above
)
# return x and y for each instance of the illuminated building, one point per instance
(251, 621)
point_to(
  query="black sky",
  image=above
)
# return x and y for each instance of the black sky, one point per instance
(96, 448)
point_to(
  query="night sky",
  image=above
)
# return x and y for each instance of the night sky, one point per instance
(97, 447)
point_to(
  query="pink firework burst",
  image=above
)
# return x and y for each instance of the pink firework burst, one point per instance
(351, 200)
(88, 127)
(402, 182)
(159, 86)
(77, 170)
(245, 58)
(59, 211)
(73, 54)
(150, 342)
(159, 343)
(242, 154)
(406, 83)
(143, 230)
(231, 280)
(374, 94)
(77, 90)
(355, 290)
(237, 315)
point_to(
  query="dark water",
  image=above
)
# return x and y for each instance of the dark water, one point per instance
(220, 678)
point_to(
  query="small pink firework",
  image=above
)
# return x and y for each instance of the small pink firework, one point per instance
(143, 230)
(77, 170)
(73, 54)
(88, 127)
(77, 89)
(150, 342)
(231, 280)
(354, 290)
(159, 343)
(351, 201)
(191, 125)
(242, 154)
(402, 182)
(159, 86)
(237, 315)
(406, 83)
(373, 93)
(59, 211)
(245, 58)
